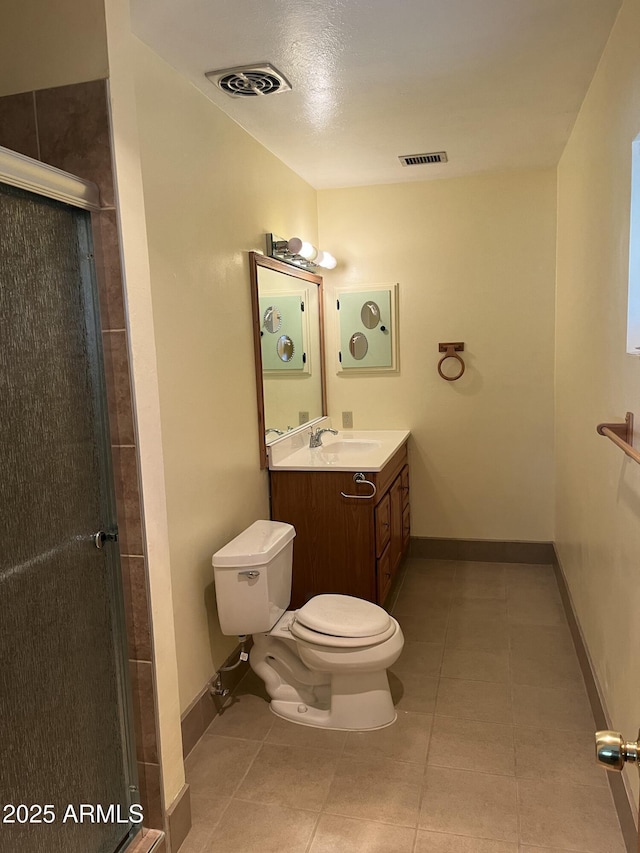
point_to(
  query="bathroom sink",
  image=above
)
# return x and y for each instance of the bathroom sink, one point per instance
(350, 445)
(354, 450)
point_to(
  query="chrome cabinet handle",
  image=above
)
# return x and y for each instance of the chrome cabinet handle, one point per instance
(360, 478)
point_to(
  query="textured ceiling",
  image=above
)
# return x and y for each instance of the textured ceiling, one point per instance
(495, 83)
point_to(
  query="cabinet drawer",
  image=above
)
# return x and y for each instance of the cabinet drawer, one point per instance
(384, 573)
(405, 485)
(383, 524)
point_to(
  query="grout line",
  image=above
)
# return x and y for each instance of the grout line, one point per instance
(340, 755)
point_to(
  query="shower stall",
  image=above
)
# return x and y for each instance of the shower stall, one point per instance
(67, 770)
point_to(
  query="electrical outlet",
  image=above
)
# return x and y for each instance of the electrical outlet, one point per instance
(303, 417)
(347, 420)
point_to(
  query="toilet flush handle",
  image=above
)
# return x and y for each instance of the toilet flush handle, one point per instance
(251, 574)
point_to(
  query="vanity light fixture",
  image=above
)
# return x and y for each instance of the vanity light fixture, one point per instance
(299, 253)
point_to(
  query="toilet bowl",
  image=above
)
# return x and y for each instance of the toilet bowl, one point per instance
(324, 665)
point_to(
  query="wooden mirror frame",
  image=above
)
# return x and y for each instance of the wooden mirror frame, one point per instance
(256, 260)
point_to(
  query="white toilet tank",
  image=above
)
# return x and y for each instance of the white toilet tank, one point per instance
(253, 578)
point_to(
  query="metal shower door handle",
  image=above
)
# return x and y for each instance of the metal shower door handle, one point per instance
(101, 537)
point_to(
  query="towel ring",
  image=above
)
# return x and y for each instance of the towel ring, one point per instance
(360, 478)
(451, 350)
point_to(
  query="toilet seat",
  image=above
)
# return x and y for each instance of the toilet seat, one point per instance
(341, 621)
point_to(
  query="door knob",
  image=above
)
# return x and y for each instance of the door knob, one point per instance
(613, 752)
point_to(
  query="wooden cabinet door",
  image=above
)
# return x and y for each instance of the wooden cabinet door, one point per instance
(384, 575)
(383, 524)
(395, 496)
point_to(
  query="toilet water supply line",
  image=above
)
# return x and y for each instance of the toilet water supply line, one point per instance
(217, 689)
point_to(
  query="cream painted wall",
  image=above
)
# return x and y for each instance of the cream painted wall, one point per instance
(598, 494)
(475, 261)
(45, 44)
(137, 285)
(211, 194)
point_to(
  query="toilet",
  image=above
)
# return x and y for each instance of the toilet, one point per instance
(324, 665)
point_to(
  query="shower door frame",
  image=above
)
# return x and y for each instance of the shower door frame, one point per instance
(43, 180)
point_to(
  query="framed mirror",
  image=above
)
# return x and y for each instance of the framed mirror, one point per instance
(288, 342)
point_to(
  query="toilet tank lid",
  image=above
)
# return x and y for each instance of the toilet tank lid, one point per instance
(256, 545)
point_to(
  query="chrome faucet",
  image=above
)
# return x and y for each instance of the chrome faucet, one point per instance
(273, 429)
(315, 438)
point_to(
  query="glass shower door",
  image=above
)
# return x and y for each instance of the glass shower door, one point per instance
(65, 747)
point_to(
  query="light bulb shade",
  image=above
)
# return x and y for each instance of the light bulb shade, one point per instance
(300, 247)
(326, 260)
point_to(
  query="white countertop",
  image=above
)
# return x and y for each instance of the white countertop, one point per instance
(349, 450)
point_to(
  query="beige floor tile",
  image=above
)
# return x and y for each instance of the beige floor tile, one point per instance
(290, 734)
(336, 834)
(470, 745)
(471, 632)
(247, 827)
(557, 756)
(548, 707)
(525, 848)
(413, 692)
(478, 608)
(217, 765)
(474, 700)
(525, 568)
(246, 716)
(475, 570)
(419, 623)
(561, 670)
(541, 642)
(473, 804)
(420, 658)
(568, 817)
(376, 789)
(289, 776)
(476, 665)
(480, 587)
(431, 586)
(538, 593)
(406, 740)
(439, 842)
(534, 611)
(206, 811)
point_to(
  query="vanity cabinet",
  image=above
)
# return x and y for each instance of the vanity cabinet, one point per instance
(349, 545)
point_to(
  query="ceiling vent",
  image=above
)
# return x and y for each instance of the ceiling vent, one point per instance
(424, 159)
(249, 81)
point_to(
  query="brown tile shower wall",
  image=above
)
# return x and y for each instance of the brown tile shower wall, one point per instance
(68, 127)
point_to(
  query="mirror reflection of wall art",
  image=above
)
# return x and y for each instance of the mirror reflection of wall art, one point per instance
(283, 334)
(367, 328)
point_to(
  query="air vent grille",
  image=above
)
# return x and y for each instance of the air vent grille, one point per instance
(249, 81)
(424, 159)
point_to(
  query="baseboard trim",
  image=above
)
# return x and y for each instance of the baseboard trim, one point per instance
(481, 550)
(148, 841)
(616, 781)
(205, 707)
(179, 820)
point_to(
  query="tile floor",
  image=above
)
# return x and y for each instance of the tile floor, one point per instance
(492, 751)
